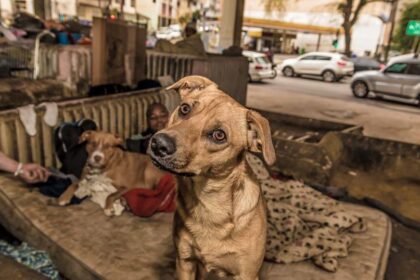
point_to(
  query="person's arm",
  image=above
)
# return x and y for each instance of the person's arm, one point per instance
(7, 164)
(29, 172)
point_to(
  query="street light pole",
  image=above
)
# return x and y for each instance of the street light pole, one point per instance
(392, 20)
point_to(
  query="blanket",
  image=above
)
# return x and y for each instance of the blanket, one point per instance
(304, 224)
(98, 187)
(146, 202)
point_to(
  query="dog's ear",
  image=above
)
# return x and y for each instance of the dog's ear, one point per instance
(259, 136)
(86, 136)
(191, 83)
(118, 140)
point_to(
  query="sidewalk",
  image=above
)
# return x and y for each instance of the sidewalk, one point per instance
(278, 58)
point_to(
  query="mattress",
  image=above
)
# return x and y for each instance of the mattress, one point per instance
(86, 244)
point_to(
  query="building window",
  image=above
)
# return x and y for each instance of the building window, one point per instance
(154, 1)
(163, 12)
(117, 1)
(133, 3)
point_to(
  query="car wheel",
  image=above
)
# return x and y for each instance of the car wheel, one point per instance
(274, 74)
(360, 89)
(328, 76)
(288, 71)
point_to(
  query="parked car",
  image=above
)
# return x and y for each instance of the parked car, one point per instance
(168, 33)
(330, 66)
(259, 66)
(366, 63)
(399, 80)
(399, 57)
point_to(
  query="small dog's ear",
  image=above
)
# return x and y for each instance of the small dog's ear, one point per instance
(86, 136)
(259, 136)
(191, 83)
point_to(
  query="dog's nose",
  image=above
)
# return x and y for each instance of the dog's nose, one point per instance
(97, 158)
(162, 145)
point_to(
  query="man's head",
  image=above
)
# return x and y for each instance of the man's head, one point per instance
(101, 147)
(190, 29)
(157, 117)
(209, 132)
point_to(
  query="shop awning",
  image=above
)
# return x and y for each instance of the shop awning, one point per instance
(282, 25)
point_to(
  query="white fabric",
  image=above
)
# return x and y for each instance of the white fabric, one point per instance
(98, 188)
(166, 81)
(51, 113)
(27, 116)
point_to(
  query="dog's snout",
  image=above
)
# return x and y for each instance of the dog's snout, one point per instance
(97, 158)
(162, 145)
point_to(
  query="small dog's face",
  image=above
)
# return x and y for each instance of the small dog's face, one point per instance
(101, 147)
(208, 133)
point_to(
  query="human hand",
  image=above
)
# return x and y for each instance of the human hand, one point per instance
(34, 173)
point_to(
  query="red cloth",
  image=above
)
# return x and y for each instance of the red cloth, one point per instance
(146, 202)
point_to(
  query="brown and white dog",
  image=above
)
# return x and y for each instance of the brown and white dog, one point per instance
(220, 222)
(126, 170)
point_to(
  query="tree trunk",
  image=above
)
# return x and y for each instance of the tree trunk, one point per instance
(347, 39)
(347, 10)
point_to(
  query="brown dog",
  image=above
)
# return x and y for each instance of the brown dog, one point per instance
(220, 221)
(126, 170)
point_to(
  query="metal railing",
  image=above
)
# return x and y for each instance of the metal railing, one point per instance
(163, 64)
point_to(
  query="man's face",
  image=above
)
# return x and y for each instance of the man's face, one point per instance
(158, 120)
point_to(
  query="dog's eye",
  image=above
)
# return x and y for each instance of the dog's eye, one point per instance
(184, 109)
(218, 136)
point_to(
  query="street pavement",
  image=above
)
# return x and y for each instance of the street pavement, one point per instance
(311, 97)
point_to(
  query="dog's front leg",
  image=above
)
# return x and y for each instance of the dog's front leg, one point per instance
(67, 195)
(186, 269)
(109, 203)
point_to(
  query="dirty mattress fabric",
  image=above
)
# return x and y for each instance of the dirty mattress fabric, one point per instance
(34, 259)
(303, 223)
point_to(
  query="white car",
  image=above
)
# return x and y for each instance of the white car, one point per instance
(168, 33)
(259, 66)
(330, 66)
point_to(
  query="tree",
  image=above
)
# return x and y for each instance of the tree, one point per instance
(401, 41)
(349, 9)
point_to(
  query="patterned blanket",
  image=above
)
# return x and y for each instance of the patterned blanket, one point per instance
(28, 256)
(304, 224)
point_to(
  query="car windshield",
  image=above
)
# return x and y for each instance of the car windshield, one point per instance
(262, 60)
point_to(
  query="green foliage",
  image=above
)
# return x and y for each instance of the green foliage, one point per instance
(273, 5)
(183, 20)
(401, 41)
(196, 15)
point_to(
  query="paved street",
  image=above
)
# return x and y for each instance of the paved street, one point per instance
(314, 98)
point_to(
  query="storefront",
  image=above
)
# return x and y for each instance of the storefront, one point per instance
(281, 36)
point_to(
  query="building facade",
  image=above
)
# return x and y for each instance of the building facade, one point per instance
(156, 12)
(299, 22)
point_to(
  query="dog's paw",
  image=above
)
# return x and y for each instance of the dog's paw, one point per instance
(109, 212)
(62, 202)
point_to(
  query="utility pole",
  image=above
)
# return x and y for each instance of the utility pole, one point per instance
(392, 16)
(122, 9)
